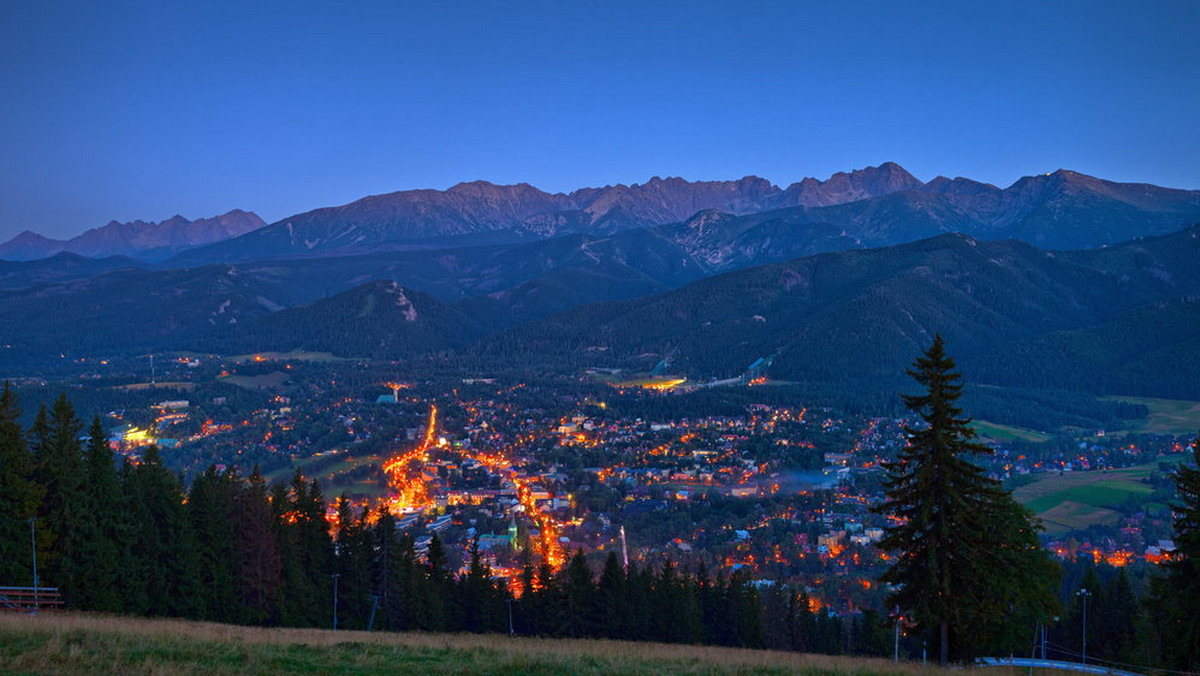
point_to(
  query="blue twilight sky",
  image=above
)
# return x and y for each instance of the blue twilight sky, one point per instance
(127, 110)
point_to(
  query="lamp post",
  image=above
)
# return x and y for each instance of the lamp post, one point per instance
(33, 548)
(1084, 594)
(896, 638)
(335, 577)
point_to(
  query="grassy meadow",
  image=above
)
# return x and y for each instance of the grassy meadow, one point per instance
(995, 432)
(1167, 416)
(293, 355)
(68, 643)
(1075, 500)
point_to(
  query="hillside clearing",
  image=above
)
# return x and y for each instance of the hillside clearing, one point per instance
(995, 432)
(1167, 416)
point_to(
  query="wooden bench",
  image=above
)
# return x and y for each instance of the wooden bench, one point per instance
(29, 599)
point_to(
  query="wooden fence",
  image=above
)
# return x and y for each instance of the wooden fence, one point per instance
(29, 599)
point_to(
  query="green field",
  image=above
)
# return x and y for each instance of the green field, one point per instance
(83, 644)
(332, 481)
(997, 433)
(187, 387)
(1076, 500)
(269, 381)
(294, 355)
(1099, 494)
(1167, 416)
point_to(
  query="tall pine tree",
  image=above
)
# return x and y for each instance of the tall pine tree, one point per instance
(212, 510)
(256, 562)
(1177, 597)
(967, 555)
(161, 573)
(58, 467)
(104, 528)
(19, 496)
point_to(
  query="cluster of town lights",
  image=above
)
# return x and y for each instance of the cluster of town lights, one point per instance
(410, 494)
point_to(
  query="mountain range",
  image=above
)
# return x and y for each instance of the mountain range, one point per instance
(1060, 281)
(515, 212)
(730, 223)
(722, 225)
(140, 239)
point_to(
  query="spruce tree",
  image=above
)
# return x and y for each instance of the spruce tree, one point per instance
(524, 610)
(256, 563)
(412, 586)
(306, 549)
(1177, 597)
(610, 599)
(579, 594)
(103, 529)
(58, 467)
(212, 509)
(353, 566)
(480, 604)
(19, 496)
(438, 597)
(392, 612)
(967, 556)
(162, 568)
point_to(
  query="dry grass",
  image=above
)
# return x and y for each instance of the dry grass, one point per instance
(79, 643)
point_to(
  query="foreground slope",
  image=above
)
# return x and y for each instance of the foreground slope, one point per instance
(77, 644)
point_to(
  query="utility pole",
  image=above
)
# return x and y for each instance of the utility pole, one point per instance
(624, 549)
(374, 598)
(510, 620)
(33, 548)
(335, 577)
(896, 644)
(1084, 594)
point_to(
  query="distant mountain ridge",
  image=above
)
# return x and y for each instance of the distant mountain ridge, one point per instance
(723, 225)
(749, 221)
(145, 240)
(523, 211)
(1063, 210)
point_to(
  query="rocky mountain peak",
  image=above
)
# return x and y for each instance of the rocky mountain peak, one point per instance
(843, 187)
